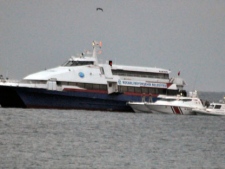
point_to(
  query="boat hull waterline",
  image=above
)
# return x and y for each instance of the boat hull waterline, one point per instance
(23, 97)
(170, 109)
(209, 113)
(139, 107)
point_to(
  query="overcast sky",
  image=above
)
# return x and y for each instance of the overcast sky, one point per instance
(179, 35)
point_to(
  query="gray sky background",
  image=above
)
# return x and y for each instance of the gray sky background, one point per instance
(180, 35)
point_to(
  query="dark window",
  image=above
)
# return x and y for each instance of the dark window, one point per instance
(152, 90)
(137, 90)
(168, 100)
(217, 106)
(80, 84)
(144, 90)
(103, 87)
(95, 86)
(140, 74)
(78, 63)
(130, 89)
(161, 91)
(88, 86)
(123, 88)
(187, 100)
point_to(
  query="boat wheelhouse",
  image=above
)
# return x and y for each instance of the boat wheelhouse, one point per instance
(214, 109)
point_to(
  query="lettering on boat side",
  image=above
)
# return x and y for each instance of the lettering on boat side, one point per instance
(81, 74)
(139, 83)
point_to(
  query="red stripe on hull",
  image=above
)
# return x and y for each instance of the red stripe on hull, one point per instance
(83, 90)
(176, 110)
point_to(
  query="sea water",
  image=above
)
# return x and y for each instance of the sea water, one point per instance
(41, 138)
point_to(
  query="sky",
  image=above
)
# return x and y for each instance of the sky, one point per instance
(179, 35)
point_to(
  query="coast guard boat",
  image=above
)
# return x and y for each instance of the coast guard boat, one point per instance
(176, 104)
(170, 105)
(83, 83)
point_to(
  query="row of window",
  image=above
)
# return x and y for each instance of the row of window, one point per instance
(121, 89)
(84, 85)
(140, 74)
(140, 90)
(171, 100)
(121, 72)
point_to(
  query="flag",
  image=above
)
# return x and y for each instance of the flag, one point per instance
(100, 43)
(178, 73)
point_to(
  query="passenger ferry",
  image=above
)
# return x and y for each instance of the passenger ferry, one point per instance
(84, 83)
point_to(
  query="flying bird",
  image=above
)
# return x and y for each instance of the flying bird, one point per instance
(99, 9)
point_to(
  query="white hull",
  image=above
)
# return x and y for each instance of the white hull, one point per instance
(165, 109)
(139, 107)
(208, 113)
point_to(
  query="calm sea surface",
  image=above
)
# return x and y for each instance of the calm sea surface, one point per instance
(40, 138)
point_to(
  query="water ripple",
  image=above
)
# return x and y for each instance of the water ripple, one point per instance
(83, 139)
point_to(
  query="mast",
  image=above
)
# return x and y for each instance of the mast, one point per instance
(96, 45)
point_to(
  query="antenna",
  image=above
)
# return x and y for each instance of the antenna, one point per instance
(7, 67)
(195, 81)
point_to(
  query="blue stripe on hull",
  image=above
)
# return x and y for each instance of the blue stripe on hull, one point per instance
(41, 98)
(56, 100)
